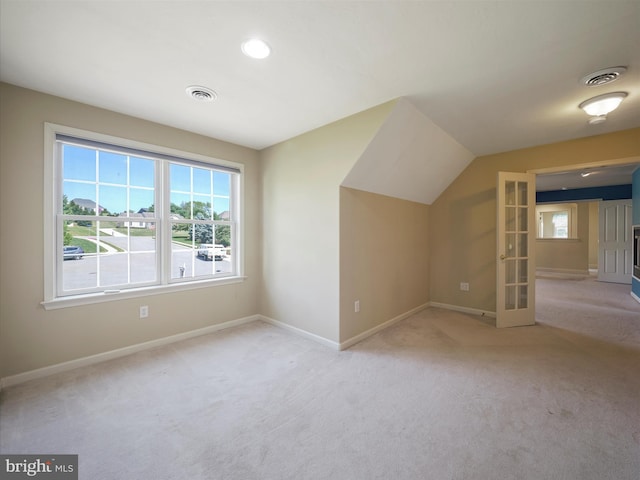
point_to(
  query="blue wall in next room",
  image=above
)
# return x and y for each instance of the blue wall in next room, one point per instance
(613, 192)
(635, 283)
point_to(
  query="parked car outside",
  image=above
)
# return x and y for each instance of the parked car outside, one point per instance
(72, 252)
(209, 251)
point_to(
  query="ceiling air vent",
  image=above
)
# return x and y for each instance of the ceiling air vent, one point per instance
(202, 94)
(602, 77)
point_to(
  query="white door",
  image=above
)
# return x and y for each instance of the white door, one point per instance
(516, 227)
(615, 260)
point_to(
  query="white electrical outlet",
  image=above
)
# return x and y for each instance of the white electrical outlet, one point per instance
(464, 286)
(144, 311)
(356, 306)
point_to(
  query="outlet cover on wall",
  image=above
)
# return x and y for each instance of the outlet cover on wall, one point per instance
(464, 286)
(356, 306)
(144, 311)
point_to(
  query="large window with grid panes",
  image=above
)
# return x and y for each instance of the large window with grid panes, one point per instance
(127, 216)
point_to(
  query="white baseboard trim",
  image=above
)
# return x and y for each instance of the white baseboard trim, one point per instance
(372, 331)
(457, 308)
(563, 271)
(120, 352)
(636, 297)
(301, 332)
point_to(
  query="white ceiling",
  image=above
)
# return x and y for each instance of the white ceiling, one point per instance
(598, 176)
(495, 76)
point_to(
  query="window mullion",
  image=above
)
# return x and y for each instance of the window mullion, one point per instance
(164, 224)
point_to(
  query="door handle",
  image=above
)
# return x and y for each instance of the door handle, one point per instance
(503, 256)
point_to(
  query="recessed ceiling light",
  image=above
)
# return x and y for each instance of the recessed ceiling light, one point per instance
(256, 48)
(202, 94)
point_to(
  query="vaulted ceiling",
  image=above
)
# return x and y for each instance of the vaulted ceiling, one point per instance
(409, 157)
(493, 76)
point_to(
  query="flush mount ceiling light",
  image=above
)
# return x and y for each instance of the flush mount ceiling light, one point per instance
(598, 107)
(602, 77)
(202, 94)
(256, 48)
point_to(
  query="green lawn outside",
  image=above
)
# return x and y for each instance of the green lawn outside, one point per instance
(181, 237)
(78, 231)
(178, 236)
(136, 232)
(112, 246)
(87, 246)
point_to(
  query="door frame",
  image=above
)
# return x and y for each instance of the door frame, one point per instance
(574, 167)
(585, 166)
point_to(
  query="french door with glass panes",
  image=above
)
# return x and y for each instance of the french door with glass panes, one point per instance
(516, 249)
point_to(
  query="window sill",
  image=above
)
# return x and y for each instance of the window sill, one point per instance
(88, 299)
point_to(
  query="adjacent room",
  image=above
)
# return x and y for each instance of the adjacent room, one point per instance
(320, 240)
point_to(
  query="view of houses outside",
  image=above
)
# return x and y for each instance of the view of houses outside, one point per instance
(108, 208)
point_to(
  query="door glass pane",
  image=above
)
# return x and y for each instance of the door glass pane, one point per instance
(523, 296)
(523, 271)
(510, 245)
(522, 245)
(523, 217)
(510, 219)
(510, 298)
(510, 193)
(522, 193)
(510, 271)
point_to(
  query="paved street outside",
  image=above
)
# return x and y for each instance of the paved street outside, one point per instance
(135, 264)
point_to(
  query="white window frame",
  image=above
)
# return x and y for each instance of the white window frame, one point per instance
(572, 219)
(52, 196)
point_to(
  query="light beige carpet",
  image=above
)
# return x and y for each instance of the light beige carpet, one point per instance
(441, 395)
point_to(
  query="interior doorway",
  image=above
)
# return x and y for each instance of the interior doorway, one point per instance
(583, 179)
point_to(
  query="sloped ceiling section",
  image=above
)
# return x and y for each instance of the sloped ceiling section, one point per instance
(409, 158)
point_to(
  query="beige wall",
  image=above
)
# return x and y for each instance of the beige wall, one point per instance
(31, 337)
(312, 248)
(300, 202)
(571, 254)
(384, 259)
(462, 241)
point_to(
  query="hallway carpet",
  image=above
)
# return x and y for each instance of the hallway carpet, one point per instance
(441, 395)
